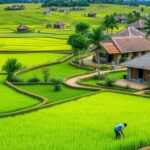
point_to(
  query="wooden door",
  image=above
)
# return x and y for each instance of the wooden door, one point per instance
(146, 75)
(134, 73)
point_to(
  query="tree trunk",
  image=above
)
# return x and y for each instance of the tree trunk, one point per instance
(98, 63)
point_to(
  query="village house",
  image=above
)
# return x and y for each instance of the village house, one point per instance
(63, 10)
(53, 8)
(91, 15)
(76, 8)
(59, 25)
(139, 68)
(15, 7)
(46, 12)
(124, 46)
(121, 18)
(22, 28)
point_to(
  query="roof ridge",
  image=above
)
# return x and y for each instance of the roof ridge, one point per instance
(129, 32)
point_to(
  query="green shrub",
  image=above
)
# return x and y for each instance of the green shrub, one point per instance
(128, 87)
(102, 77)
(148, 93)
(15, 79)
(35, 79)
(109, 81)
(57, 83)
(104, 67)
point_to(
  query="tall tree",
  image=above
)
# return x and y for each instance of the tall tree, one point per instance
(147, 26)
(113, 23)
(82, 28)
(79, 43)
(106, 23)
(96, 38)
(10, 67)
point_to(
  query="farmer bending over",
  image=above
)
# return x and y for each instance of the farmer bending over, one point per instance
(118, 130)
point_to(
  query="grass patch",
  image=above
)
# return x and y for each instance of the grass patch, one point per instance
(48, 92)
(74, 125)
(11, 100)
(31, 59)
(62, 70)
(114, 75)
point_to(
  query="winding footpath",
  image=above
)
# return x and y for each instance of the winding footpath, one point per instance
(73, 81)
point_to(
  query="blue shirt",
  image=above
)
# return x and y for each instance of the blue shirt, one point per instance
(119, 127)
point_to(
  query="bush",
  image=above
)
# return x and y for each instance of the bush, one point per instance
(102, 77)
(46, 73)
(14, 79)
(34, 80)
(128, 87)
(57, 83)
(109, 81)
(104, 67)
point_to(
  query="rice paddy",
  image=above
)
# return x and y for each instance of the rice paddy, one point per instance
(31, 59)
(84, 124)
(11, 100)
(62, 70)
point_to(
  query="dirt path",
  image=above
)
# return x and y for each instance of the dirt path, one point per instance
(145, 148)
(73, 81)
(141, 92)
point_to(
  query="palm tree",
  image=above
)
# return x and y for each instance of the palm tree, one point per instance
(113, 23)
(106, 23)
(96, 38)
(147, 26)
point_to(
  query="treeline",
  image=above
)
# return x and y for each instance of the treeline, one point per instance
(21, 1)
(67, 3)
(87, 2)
(125, 2)
(79, 2)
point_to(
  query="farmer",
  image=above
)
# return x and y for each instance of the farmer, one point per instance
(118, 130)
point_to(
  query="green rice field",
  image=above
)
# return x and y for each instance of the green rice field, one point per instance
(10, 100)
(48, 92)
(84, 124)
(31, 59)
(28, 44)
(62, 70)
(42, 38)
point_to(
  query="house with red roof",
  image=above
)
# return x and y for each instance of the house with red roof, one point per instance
(125, 46)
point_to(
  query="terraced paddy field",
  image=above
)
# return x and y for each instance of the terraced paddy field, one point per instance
(10, 100)
(28, 44)
(48, 92)
(62, 70)
(32, 59)
(48, 39)
(84, 124)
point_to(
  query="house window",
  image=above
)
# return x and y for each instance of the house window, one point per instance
(125, 55)
(135, 54)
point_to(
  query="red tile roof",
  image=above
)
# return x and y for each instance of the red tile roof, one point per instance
(110, 47)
